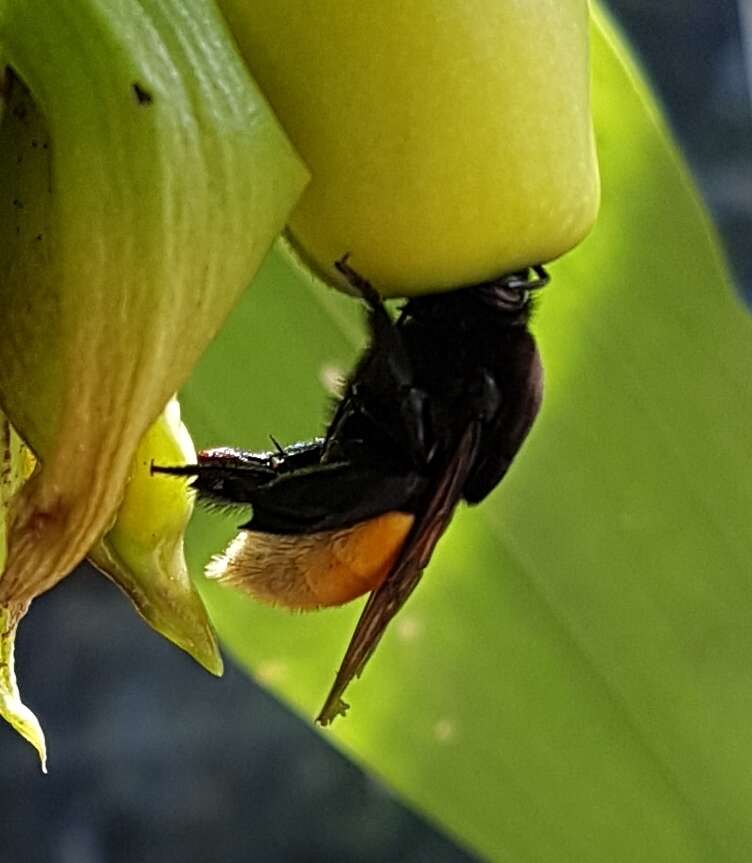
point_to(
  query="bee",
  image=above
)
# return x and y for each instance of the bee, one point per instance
(433, 414)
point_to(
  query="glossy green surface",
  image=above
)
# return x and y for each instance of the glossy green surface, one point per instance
(572, 681)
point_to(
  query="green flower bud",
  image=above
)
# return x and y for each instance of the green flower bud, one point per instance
(449, 142)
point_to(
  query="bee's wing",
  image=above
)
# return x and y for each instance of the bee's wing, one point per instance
(385, 602)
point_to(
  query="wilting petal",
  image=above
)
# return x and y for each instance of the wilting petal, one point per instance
(12, 709)
(16, 463)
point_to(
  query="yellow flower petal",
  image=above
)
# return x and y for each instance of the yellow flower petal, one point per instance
(143, 552)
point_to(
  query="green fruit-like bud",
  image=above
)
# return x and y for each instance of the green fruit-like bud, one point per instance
(449, 142)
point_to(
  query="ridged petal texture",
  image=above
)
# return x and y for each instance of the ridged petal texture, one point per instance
(142, 180)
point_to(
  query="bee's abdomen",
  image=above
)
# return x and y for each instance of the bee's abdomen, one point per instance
(314, 570)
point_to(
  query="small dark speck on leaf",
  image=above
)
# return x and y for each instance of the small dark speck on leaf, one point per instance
(143, 96)
(38, 237)
(18, 204)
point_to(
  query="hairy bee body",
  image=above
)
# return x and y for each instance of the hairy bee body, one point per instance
(433, 413)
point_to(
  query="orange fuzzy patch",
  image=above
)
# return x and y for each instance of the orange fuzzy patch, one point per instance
(315, 570)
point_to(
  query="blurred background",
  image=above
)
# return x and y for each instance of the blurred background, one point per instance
(153, 760)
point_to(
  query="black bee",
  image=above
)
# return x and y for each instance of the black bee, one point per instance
(434, 413)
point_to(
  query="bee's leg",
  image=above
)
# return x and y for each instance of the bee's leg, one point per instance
(330, 496)
(386, 349)
(383, 387)
(231, 476)
(303, 498)
(404, 422)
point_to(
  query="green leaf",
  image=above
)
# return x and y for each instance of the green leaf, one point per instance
(572, 679)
